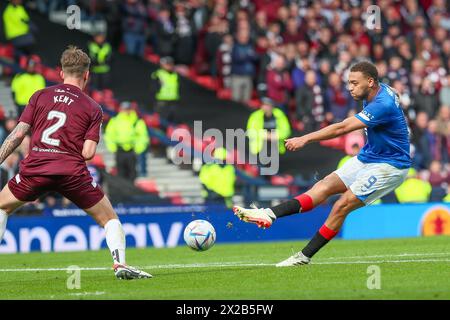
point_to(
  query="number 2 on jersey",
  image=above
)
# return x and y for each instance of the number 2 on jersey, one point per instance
(61, 116)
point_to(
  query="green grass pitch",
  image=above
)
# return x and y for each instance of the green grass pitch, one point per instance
(413, 268)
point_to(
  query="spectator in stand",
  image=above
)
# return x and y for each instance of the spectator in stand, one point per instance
(433, 140)
(165, 33)
(113, 19)
(344, 63)
(279, 83)
(134, 27)
(358, 33)
(444, 93)
(265, 53)
(419, 139)
(417, 74)
(324, 73)
(397, 72)
(290, 53)
(439, 179)
(184, 34)
(213, 39)
(243, 70)
(324, 44)
(260, 26)
(404, 52)
(310, 103)
(436, 72)
(25, 84)
(199, 13)
(302, 65)
(338, 99)
(426, 49)
(382, 72)
(224, 61)
(292, 34)
(405, 98)
(426, 100)
(437, 7)
(445, 54)
(283, 15)
(443, 132)
(274, 34)
(18, 28)
(270, 7)
(409, 13)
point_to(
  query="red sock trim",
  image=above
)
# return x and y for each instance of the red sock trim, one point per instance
(306, 202)
(327, 233)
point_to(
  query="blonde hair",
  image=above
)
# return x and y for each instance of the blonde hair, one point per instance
(75, 62)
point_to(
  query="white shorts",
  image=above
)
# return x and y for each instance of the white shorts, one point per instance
(370, 181)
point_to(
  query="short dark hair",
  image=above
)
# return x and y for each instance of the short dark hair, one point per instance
(366, 68)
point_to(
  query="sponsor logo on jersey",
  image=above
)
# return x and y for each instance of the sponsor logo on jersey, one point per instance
(366, 115)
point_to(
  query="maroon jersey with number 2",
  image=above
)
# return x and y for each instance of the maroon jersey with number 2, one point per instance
(61, 117)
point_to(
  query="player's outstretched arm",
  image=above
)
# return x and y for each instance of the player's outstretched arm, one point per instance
(14, 140)
(332, 131)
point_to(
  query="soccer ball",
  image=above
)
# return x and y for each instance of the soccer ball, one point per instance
(200, 235)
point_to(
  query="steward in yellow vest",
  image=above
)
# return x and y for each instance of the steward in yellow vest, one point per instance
(268, 124)
(126, 135)
(24, 85)
(17, 28)
(413, 189)
(168, 93)
(447, 197)
(100, 53)
(218, 179)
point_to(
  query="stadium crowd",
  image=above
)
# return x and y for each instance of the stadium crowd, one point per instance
(298, 54)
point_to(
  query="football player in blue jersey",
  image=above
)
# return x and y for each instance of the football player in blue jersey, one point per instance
(379, 168)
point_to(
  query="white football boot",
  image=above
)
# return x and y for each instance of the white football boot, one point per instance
(263, 217)
(295, 260)
(128, 272)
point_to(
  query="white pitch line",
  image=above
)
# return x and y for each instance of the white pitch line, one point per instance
(96, 293)
(383, 261)
(392, 255)
(226, 264)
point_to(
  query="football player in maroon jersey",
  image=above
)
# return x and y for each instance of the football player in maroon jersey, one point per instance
(64, 124)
